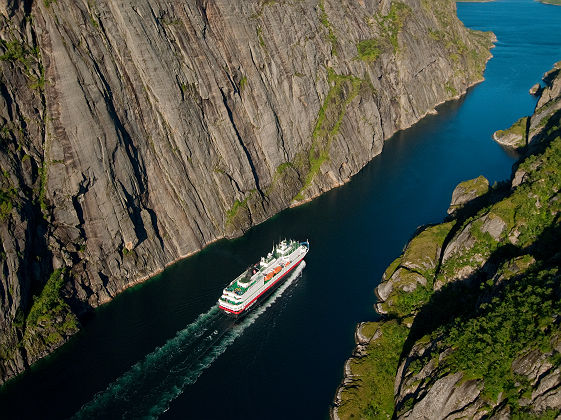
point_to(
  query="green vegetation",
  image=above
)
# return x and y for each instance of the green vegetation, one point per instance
(388, 27)
(407, 303)
(127, 252)
(50, 319)
(470, 60)
(391, 24)
(260, 37)
(450, 89)
(520, 317)
(49, 303)
(15, 51)
(368, 50)
(243, 83)
(236, 207)
(372, 397)
(343, 89)
(423, 251)
(420, 259)
(330, 33)
(281, 169)
(469, 191)
(6, 203)
(392, 268)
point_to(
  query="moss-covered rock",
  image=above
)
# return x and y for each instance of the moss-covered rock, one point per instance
(368, 392)
(468, 191)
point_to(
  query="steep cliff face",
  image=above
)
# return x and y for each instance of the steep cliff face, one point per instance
(134, 133)
(475, 302)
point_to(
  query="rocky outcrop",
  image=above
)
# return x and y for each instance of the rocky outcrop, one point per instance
(135, 133)
(467, 191)
(529, 129)
(515, 137)
(479, 300)
(535, 89)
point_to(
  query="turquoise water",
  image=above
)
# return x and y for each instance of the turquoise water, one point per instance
(158, 350)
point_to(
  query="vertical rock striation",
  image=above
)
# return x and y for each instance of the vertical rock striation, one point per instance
(135, 133)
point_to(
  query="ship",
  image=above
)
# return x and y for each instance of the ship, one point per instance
(260, 279)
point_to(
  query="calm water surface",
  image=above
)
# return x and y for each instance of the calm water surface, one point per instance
(161, 349)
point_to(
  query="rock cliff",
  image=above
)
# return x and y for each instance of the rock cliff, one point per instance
(135, 133)
(473, 305)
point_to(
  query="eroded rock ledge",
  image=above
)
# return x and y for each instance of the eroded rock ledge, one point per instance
(473, 305)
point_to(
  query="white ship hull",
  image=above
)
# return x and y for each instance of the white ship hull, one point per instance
(262, 278)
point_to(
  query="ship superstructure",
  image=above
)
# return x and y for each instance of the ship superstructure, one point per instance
(260, 279)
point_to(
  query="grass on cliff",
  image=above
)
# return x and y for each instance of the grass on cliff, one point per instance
(6, 203)
(343, 89)
(388, 27)
(49, 300)
(372, 397)
(330, 32)
(368, 50)
(391, 24)
(50, 319)
(238, 205)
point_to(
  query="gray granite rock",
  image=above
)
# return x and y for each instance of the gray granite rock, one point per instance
(138, 132)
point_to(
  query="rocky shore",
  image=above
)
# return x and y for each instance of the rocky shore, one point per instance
(472, 307)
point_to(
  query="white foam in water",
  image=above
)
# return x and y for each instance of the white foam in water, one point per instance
(148, 387)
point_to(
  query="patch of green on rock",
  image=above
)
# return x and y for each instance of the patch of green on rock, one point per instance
(368, 329)
(391, 24)
(343, 89)
(49, 300)
(260, 37)
(6, 203)
(423, 251)
(478, 186)
(283, 167)
(330, 33)
(368, 50)
(236, 207)
(450, 89)
(243, 83)
(519, 129)
(407, 303)
(372, 397)
(391, 268)
(15, 51)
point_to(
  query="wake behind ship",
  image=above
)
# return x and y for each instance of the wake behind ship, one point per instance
(260, 279)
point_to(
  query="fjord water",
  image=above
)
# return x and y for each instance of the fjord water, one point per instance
(288, 361)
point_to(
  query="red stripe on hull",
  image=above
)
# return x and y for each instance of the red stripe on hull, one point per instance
(257, 297)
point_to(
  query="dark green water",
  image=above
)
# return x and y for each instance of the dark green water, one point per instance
(162, 347)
